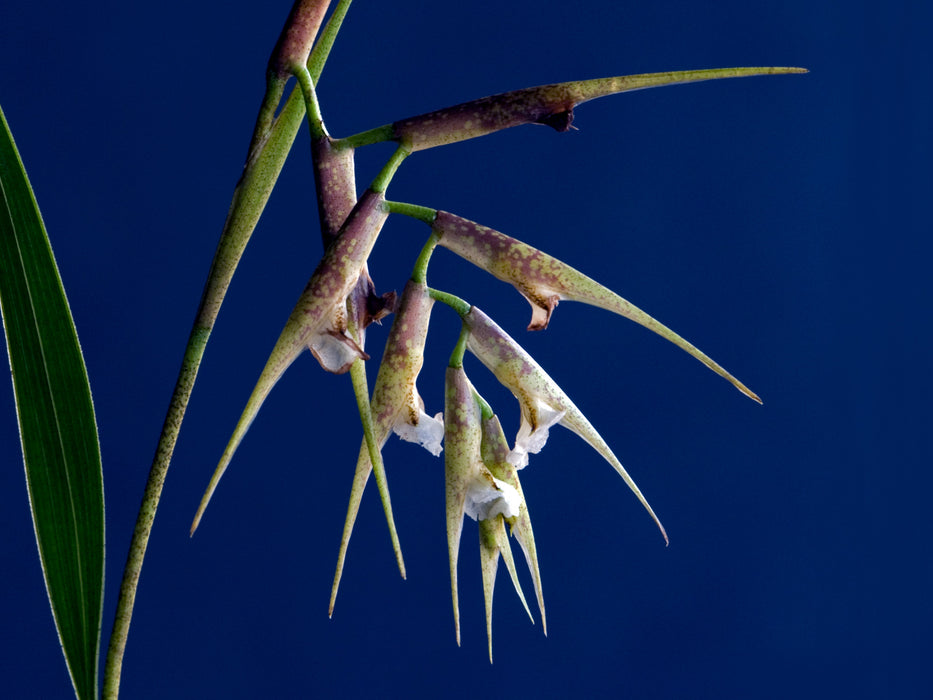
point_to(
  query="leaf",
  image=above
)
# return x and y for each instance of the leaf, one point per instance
(58, 431)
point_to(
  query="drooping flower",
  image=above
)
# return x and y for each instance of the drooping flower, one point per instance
(544, 281)
(396, 405)
(495, 452)
(493, 538)
(543, 403)
(471, 489)
(318, 321)
(335, 184)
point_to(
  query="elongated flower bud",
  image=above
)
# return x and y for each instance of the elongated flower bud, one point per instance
(493, 538)
(461, 462)
(547, 104)
(335, 183)
(543, 403)
(471, 489)
(544, 281)
(495, 452)
(396, 405)
(318, 320)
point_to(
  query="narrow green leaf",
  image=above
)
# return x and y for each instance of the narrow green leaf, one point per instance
(57, 427)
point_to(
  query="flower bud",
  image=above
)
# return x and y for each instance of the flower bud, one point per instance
(470, 488)
(543, 403)
(495, 452)
(551, 105)
(318, 321)
(395, 405)
(544, 281)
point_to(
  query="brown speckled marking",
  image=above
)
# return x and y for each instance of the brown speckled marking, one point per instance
(335, 184)
(484, 116)
(539, 277)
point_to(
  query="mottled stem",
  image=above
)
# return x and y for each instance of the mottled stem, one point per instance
(264, 162)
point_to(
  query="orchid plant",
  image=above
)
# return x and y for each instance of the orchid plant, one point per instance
(339, 303)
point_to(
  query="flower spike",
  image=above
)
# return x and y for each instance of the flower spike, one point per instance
(544, 281)
(317, 322)
(543, 403)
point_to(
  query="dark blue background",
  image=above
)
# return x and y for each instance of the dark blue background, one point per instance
(779, 223)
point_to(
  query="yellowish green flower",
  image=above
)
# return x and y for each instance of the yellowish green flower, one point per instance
(471, 489)
(396, 405)
(544, 281)
(318, 321)
(543, 403)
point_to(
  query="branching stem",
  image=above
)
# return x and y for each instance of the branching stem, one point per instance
(415, 211)
(456, 303)
(420, 272)
(456, 357)
(382, 180)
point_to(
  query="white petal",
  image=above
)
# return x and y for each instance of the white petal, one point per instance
(335, 351)
(428, 432)
(489, 497)
(531, 441)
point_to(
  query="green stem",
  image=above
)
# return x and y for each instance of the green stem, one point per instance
(270, 145)
(160, 463)
(265, 121)
(366, 138)
(382, 180)
(484, 406)
(420, 272)
(415, 211)
(456, 357)
(427, 215)
(456, 303)
(325, 43)
(312, 108)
